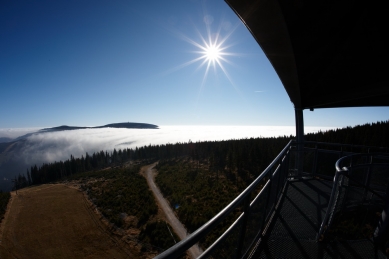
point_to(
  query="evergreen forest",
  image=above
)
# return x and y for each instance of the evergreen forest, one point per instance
(198, 179)
(123, 198)
(247, 156)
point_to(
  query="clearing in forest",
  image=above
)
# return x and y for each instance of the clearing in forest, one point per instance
(55, 221)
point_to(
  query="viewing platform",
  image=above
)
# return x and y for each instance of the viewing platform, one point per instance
(292, 233)
(288, 213)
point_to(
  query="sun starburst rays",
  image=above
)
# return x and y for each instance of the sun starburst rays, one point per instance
(211, 52)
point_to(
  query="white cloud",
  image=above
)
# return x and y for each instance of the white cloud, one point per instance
(16, 132)
(56, 146)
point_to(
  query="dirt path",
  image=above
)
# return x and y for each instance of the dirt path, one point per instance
(54, 221)
(179, 229)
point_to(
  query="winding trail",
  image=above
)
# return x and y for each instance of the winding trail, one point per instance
(195, 251)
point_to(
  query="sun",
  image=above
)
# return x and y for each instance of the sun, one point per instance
(212, 53)
(211, 49)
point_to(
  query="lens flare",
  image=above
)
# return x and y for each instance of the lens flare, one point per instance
(211, 49)
(212, 53)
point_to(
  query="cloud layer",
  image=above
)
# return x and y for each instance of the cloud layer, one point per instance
(16, 132)
(39, 148)
(56, 146)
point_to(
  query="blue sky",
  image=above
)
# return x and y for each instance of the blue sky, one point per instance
(91, 63)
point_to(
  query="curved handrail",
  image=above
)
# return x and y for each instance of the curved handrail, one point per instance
(330, 208)
(338, 164)
(189, 241)
(343, 171)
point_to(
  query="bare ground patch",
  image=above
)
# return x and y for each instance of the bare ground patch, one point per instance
(54, 221)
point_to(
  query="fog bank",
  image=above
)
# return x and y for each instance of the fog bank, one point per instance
(56, 146)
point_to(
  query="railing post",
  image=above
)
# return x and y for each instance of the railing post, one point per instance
(267, 202)
(368, 177)
(314, 169)
(242, 233)
(287, 163)
(299, 139)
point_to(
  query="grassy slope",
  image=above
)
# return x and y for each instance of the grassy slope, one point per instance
(54, 221)
(57, 221)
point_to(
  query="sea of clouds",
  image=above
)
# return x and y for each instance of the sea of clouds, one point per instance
(37, 148)
(55, 146)
(16, 132)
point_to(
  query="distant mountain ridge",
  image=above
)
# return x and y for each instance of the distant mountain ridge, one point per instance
(13, 151)
(120, 125)
(5, 139)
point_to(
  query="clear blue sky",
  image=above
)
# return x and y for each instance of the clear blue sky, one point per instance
(90, 63)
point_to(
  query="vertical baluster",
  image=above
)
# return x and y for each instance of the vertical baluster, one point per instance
(242, 233)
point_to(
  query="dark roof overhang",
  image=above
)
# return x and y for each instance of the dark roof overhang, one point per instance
(326, 53)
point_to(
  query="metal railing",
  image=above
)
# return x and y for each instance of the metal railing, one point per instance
(321, 157)
(360, 180)
(239, 238)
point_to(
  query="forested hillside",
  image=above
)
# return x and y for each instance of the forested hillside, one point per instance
(374, 134)
(246, 155)
(198, 179)
(197, 192)
(122, 196)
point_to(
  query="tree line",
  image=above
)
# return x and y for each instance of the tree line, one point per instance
(369, 134)
(244, 155)
(4, 198)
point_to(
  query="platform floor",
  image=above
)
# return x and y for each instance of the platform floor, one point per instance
(292, 232)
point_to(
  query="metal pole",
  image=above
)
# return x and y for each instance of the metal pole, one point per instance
(314, 169)
(299, 139)
(242, 233)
